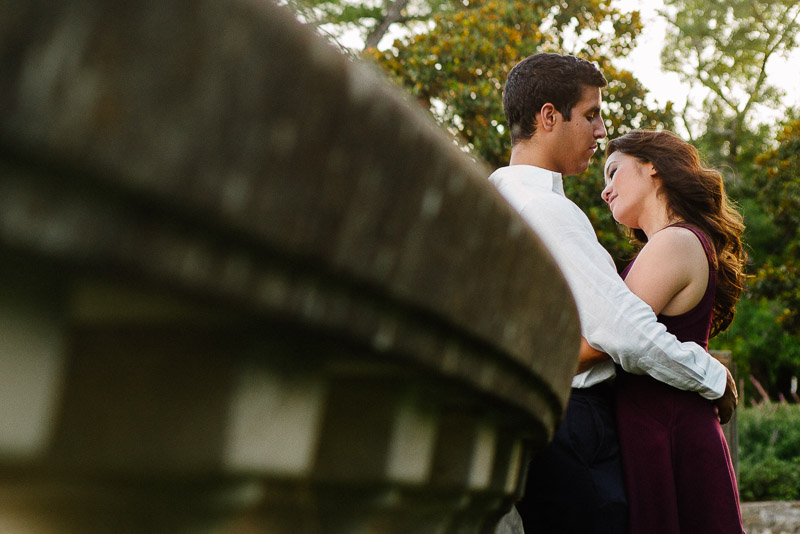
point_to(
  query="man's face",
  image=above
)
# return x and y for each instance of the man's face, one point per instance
(576, 139)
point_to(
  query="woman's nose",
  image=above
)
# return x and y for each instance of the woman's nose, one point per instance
(606, 191)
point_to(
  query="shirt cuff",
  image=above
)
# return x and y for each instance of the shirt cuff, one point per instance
(717, 380)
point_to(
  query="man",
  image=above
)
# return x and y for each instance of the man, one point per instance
(552, 105)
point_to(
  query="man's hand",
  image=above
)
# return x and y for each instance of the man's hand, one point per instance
(588, 356)
(726, 404)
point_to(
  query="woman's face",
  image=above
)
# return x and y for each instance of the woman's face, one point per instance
(631, 188)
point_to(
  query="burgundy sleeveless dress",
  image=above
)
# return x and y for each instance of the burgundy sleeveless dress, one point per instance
(678, 471)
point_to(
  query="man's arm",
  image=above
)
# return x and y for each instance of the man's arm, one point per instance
(588, 356)
(613, 319)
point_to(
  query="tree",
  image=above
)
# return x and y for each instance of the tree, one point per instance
(764, 337)
(366, 21)
(457, 70)
(779, 192)
(724, 47)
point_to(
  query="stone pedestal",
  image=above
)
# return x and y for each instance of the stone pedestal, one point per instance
(248, 287)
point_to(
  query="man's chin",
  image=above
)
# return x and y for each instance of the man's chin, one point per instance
(578, 169)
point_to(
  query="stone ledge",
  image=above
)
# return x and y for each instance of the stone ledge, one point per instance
(775, 517)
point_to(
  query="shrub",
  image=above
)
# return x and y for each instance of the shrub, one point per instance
(769, 452)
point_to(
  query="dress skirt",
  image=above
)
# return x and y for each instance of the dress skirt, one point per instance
(676, 462)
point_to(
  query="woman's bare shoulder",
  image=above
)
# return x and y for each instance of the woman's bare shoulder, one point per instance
(677, 239)
(674, 249)
(679, 247)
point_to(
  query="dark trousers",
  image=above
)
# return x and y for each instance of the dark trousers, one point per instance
(575, 485)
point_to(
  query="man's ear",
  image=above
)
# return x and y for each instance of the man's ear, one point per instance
(652, 171)
(548, 116)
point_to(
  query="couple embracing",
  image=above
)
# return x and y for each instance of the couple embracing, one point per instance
(640, 449)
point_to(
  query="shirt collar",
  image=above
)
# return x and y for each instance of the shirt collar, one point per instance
(531, 176)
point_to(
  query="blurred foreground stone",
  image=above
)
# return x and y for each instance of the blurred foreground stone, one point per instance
(247, 287)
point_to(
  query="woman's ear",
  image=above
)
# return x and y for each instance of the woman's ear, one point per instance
(652, 171)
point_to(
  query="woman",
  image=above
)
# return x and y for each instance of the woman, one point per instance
(677, 465)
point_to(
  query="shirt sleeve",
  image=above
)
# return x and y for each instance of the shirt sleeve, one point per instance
(613, 319)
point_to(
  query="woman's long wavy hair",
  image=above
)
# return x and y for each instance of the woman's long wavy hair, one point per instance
(695, 194)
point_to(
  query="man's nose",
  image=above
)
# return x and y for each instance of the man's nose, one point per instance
(600, 132)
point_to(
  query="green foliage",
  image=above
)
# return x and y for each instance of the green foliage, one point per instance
(458, 68)
(760, 347)
(769, 452)
(779, 184)
(769, 479)
(763, 338)
(778, 189)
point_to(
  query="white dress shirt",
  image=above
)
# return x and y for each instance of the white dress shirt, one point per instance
(613, 319)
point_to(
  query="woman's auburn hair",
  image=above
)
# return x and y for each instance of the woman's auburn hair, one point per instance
(695, 194)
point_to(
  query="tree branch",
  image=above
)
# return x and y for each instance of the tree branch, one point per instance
(762, 75)
(393, 14)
